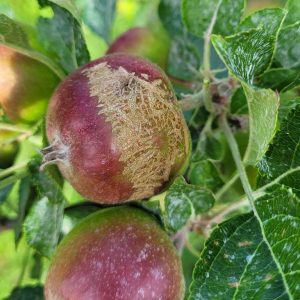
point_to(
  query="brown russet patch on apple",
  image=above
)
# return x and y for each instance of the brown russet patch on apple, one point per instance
(141, 113)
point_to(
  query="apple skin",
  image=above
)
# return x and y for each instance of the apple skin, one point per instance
(118, 253)
(141, 41)
(111, 141)
(26, 86)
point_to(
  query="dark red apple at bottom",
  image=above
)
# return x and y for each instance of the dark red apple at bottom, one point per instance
(116, 254)
(116, 130)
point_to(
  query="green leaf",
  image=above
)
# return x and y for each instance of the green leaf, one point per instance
(37, 267)
(238, 103)
(4, 193)
(62, 36)
(152, 206)
(12, 33)
(211, 147)
(197, 15)
(42, 226)
(287, 103)
(184, 58)
(263, 109)
(178, 211)
(269, 19)
(293, 8)
(288, 46)
(98, 15)
(279, 209)
(237, 264)
(282, 159)
(185, 51)
(183, 201)
(24, 194)
(69, 6)
(74, 214)
(204, 174)
(27, 292)
(46, 184)
(247, 54)
(280, 79)
(170, 15)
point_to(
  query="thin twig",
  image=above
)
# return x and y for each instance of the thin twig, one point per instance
(9, 127)
(191, 101)
(4, 173)
(207, 37)
(238, 160)
(226, 186)
(12, 179)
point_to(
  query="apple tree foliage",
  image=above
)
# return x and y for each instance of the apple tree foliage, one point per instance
(235, 214)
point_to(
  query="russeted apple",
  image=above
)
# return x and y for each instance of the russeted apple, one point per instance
(143, 42)
(26, 86)
(116, 130)
(116, 254)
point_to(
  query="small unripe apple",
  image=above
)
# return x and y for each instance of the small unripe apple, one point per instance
(116, 254)
(143, 42)
(8, 149)
(116, 130)
(25, 86)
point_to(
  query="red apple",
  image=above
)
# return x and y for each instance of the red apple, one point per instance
(116, 254)
(25, 86)
(116, 130)
(143, 42)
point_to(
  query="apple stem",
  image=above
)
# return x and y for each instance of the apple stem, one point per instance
(179, 239)
(238, 161)
(53, 154)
